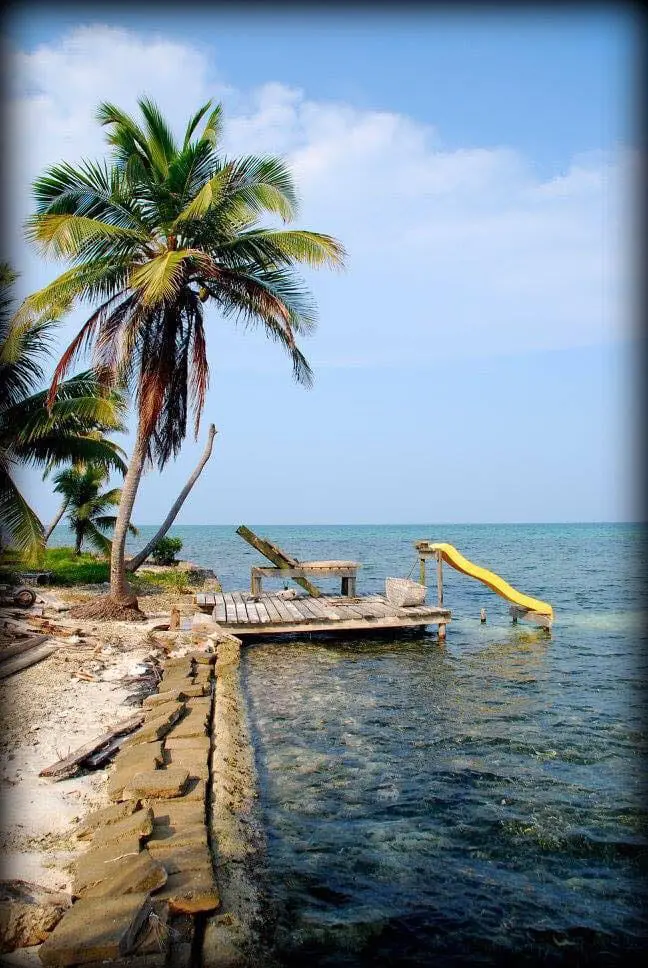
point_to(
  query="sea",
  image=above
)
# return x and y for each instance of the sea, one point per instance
(474, 802)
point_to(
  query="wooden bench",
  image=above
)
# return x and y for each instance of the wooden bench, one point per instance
(346, 570)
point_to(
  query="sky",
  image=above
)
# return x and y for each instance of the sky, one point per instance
(475, 360)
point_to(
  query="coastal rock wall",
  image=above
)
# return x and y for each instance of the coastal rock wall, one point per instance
(146, 882)
(232, 936)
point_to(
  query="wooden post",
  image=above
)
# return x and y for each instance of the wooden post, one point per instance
(422, 570)
(482, 615)
(349, 586)
(440, 578)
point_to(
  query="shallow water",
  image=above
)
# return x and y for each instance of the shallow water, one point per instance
(472, 802)
(478, 802)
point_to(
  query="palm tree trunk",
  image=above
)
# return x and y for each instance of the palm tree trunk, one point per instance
(78, 541)
(55, 520)
(118, 586)
(141, 557)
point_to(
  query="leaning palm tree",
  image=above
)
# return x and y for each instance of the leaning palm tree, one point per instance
(161, 229)
(30, 434)
(86, 505)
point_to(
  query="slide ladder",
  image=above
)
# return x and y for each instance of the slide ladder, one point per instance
(524, 605)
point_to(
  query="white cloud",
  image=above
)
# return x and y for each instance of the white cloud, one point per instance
(450, 251)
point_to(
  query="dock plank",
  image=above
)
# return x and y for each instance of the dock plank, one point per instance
(231, 609)
(252, 612)
(304, 611)
(264, 616)
(219, 613)
(270, 603)
(347, 611)
(318, 614)
(297, 614)
(280, 605)
(239, 606)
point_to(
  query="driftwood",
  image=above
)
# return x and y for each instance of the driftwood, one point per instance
(102, 756)
(64, 766)
(23, 646)
(141, 557)
(29, 658)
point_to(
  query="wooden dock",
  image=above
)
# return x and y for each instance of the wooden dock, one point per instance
(242, 614)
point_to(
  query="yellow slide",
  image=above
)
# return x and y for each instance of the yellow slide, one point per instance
(453, 557)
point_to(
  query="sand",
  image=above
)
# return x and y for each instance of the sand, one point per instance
(46, 713)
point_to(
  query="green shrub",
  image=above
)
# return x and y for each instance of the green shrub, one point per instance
(66, 567)
(165, 550)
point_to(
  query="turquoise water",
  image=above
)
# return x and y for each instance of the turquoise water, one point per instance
(473, 803)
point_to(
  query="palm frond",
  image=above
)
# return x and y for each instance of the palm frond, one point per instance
(160, 279)
(71, 235)
(194, 122)
(18, 519)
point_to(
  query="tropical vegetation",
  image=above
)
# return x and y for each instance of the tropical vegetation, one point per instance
(164, 551)
(155, 233)
(86, 505)
(71, 429)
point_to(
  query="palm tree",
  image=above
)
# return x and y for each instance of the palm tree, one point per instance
(30, 434)
(153, 235)
(86, 505)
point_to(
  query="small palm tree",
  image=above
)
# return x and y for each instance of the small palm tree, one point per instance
(30, 434)
(162, 229)
(86, 505)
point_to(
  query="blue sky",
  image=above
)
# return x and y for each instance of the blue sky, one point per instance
(473, 362)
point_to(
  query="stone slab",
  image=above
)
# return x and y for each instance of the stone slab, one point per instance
(97, 863)
(105, 816)
(99, 929)
(196, 689)
(157, 698)
(203, 658)
(191, 892)
(143, 756)
(190, 759)
(137, 874)
(164, 709)
(191, 725)
(196, 789)
(165, 839)
(154, 728)
(174, 742)
(191, 858)
(176, 812)
(139, 824)
(200, 705)
(158, 784)
(180, 663)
